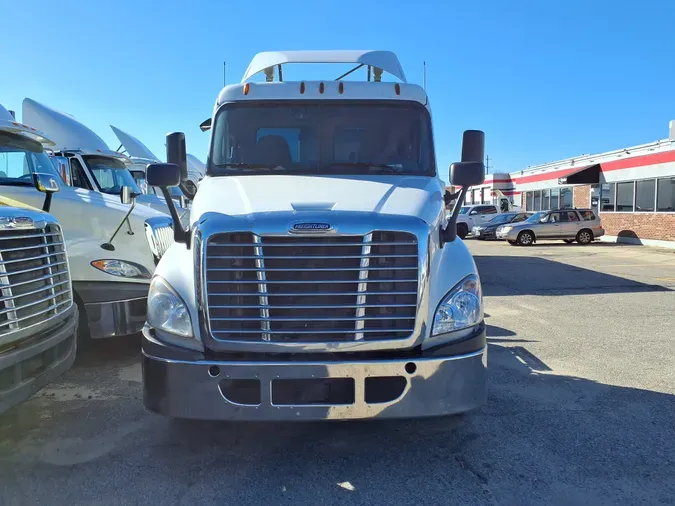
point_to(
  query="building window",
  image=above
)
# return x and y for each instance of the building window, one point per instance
(545, 200)
(624, 196)
(665, 197)
(537, 201)
(607, 197)
(566, 198)
(555, 198)
(529, 201)
(587, 215)
(475, 196)
(644, 195)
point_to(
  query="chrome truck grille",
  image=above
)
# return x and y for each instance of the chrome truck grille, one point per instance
(159, 232)
(34, 279)
(297, 289)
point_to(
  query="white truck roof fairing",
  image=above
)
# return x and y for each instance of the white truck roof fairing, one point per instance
(135, 148)
(385, 60)
(9, 124)
(67, 133)
(195, 164)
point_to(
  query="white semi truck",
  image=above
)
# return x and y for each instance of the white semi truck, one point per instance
(38, 320)
(141, 156)
(82, 158)
(325, 280)
(113, 244)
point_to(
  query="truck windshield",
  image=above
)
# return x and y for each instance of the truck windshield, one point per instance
(20, 158)
(139, 177)
(110, 174)
(322, 138)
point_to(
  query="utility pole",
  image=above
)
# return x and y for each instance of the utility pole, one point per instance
(224, 74)
(487, 164)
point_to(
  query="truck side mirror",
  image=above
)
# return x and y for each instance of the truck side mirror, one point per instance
(469, 172)
(164, 176)
(47, 184)
(127, 197)
(189, 189)
(176, 153)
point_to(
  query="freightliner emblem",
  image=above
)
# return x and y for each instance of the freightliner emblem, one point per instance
(311, 227)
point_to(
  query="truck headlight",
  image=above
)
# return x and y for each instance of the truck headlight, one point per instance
(122, 268)
(166, 310)
(461, 308)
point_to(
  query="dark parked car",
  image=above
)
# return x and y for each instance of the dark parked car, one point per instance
(488, 230)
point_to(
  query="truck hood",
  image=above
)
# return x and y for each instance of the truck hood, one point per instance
(242, 195)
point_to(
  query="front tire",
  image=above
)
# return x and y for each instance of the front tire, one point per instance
(585, 237)
(525, 238)
(462, 230)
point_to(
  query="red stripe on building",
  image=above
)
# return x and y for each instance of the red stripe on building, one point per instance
(624, 163)
(639, 161)
(547, 175)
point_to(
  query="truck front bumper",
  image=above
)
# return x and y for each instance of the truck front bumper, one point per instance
(113, 308)
(410, 387)
(30, 366)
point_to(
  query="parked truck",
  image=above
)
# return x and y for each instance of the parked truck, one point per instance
(113, 244)
(82, 158)
(325, 280)
(141, 156)
(38, 320)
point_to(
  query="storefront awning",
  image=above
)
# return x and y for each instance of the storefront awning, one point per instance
(583, 175)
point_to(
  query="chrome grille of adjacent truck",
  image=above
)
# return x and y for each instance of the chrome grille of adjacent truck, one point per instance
(163, 238)
(34, 280)
(160, 235)
(322, 288)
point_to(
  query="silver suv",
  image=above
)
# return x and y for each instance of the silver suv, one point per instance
(581, 225)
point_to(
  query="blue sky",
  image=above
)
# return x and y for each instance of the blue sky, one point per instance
(545, 79)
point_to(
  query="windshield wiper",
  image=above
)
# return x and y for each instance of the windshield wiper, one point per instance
(374, 167)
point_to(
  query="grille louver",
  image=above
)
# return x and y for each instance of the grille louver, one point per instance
(311, 288)
(34, 279)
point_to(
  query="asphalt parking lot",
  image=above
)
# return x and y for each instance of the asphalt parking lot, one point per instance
(581, 410)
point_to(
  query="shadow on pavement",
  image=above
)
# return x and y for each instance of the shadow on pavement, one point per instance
(542, 438)
(101, 352)
(531, 275)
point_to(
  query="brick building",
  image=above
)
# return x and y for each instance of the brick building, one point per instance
(633, 189)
